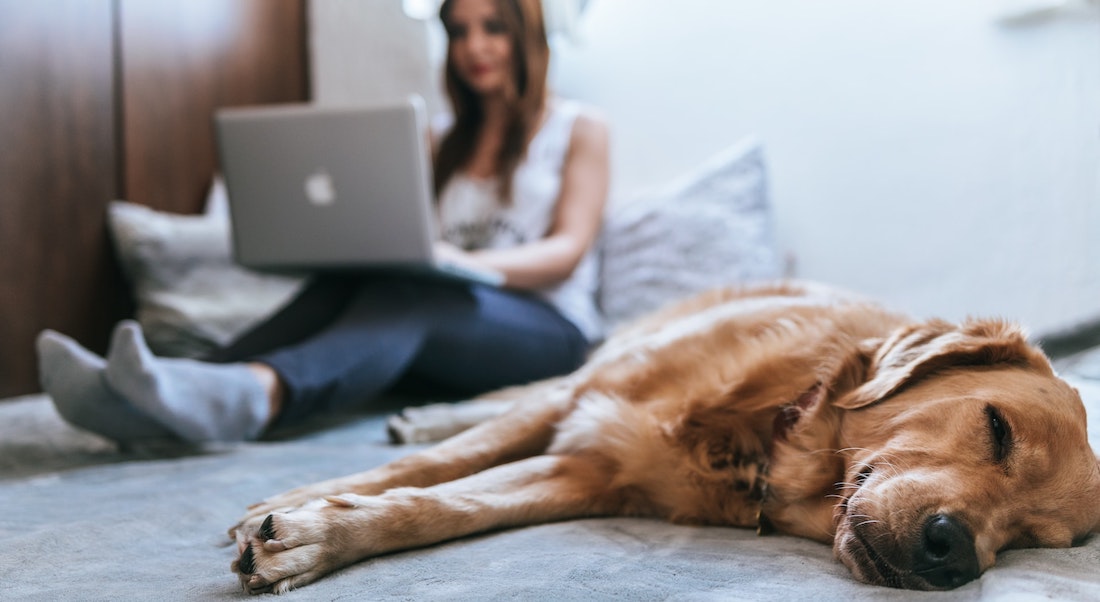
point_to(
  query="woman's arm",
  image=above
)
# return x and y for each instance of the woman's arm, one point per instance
(579, 214)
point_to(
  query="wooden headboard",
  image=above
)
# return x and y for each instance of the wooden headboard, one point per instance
(112, 99)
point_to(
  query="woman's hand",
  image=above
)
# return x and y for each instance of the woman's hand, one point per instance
(447, 253)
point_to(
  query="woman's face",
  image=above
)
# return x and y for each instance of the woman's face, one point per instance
(481, 49)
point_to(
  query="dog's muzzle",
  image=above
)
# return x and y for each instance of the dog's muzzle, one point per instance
(940, 555)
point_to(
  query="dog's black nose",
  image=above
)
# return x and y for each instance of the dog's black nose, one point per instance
(946, 557)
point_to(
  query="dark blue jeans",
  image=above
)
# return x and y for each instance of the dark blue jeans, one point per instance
(346, 339)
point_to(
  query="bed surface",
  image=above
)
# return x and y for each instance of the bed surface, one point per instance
(83, 520)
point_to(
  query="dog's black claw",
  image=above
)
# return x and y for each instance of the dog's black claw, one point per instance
(247, 564)
(394, 435)
(267, 530)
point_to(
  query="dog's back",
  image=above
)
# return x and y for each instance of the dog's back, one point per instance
(684, 402)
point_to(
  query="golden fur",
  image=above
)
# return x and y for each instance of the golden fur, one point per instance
(917, 449)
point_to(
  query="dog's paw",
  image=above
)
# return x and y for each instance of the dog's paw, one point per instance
(282, 503)
(285, 550)
(295, 498)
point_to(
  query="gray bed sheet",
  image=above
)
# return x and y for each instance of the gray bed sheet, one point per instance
(82, 520)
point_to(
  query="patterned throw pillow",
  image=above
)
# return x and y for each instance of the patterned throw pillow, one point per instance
(710, 228)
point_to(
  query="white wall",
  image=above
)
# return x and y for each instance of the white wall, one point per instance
(370, 51)
(920, 151)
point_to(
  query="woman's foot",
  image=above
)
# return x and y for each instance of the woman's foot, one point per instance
(199, 401)
(74, 379)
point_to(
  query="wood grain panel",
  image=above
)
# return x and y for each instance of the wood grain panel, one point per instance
(183, 58)
(105, 99)
(57, 172)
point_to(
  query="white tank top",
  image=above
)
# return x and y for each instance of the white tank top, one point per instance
(472, 217)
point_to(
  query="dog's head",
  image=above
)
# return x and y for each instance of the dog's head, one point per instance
(962, 443)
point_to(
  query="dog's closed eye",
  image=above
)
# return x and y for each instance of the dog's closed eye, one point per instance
(1000, 433)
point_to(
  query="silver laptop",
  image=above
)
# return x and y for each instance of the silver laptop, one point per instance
(332, 188)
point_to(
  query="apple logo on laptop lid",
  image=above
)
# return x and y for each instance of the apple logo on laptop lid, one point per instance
(319, 188)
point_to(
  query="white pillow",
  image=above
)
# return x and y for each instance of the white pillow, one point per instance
(191, 296)
(710, 228)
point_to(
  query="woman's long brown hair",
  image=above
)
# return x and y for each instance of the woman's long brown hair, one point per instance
(530, 63)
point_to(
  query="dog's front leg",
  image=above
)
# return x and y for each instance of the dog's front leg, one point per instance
(524, 431)
(294, 548)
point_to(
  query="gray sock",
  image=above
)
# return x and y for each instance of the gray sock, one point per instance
(200, 401)
(74, 379)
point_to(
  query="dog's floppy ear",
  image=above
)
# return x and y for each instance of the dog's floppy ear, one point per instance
(913, 352)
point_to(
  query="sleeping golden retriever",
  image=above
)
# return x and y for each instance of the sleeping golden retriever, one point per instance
(917, 449)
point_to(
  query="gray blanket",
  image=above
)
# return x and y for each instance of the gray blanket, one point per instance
(82, 520)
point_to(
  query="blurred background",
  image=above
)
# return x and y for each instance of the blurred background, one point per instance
(942, 156)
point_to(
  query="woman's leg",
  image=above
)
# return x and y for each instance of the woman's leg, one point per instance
(199, 401)
(463, 339)
(319, 302)
(133, 396)
(364, 351)
(506, 339)
(359, 335)
(137, 396)
(219, 399)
